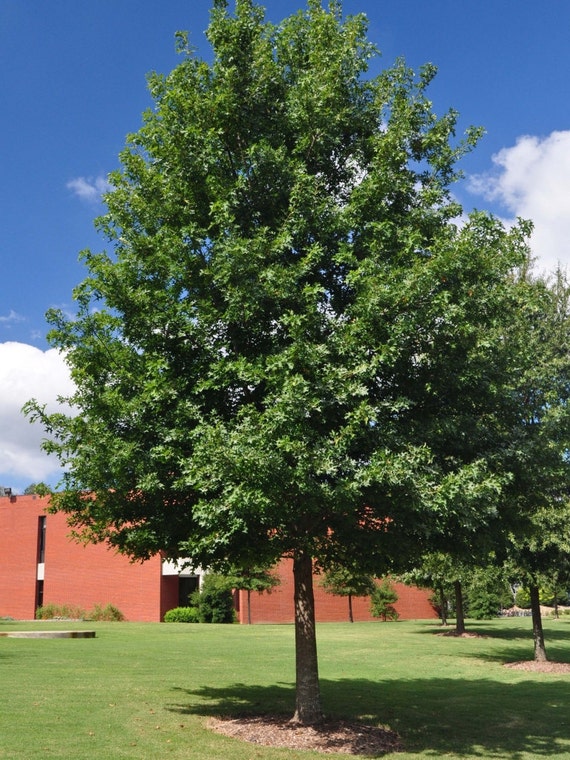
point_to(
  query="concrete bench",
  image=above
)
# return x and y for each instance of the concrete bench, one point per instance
(48, 634)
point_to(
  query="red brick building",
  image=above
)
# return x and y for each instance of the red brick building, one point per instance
(40, 564)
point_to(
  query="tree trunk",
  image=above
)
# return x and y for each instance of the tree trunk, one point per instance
(308, 708)
(249, 606)
(350, 617)
(459, 616)
(537, 632)
(442, 606)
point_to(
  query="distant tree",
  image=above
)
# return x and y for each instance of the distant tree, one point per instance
(487, 592)
(41, 489)
(552, 592)
(537, 496)
(558, 585)
(252, 578)
(433, 571)
(345, 581)
(382, 601)
(443, 573)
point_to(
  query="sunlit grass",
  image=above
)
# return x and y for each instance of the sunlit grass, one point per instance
(145, 691)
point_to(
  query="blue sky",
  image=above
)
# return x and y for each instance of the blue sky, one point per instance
(73, 84)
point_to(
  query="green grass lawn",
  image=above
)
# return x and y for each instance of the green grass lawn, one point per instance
(145, 691)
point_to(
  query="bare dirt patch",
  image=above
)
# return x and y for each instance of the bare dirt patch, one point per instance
(561, 668)
(330, 736)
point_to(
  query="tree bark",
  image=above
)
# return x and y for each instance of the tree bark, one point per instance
(537, 632)
(308, 709)
(459, 616)
(350, 617)
(442, 606)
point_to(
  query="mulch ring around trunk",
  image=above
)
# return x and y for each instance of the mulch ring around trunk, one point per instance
(330, 736)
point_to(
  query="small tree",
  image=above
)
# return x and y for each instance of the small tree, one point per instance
(252, 578)
(487, 593)
(345, 581)
(382, 601)
(437, 571)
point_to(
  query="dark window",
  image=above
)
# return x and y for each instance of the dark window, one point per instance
(39, 594)
(41, 540)
(186, 586)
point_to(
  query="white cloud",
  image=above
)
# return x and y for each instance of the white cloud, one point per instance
(27, 372)
(89, 189)
(11, 318)
(532, 180)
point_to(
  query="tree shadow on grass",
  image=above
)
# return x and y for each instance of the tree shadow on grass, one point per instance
(508, 654)
(521, 640)
(553, 630)
(479, 717)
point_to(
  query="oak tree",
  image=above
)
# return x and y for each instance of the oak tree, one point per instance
(537, 503)
(288, 321)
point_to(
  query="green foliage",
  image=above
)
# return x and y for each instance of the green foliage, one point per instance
(549, 596)
(41, 489)
(344, 581)
(522, 598)
(539, 546)
(214, 600)
(487, 593)
(292, 348)
(437, 571)
(348, 581)
(290, 334)
(252, 578)
(182, 615)
(382, 601)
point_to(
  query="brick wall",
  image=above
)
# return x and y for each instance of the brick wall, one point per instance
(19, 517)
(85, 575)
(77, 574)
(277, 607)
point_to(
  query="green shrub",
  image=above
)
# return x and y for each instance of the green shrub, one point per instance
(214, 603)
(382, 601)
(62, 611)
(109, 613)
(182, 615)
(215, 600)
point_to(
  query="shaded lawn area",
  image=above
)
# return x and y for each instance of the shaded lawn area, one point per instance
(144, 691)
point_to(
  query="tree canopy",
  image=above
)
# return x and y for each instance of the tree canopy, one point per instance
(290, 332)
(537, 497)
